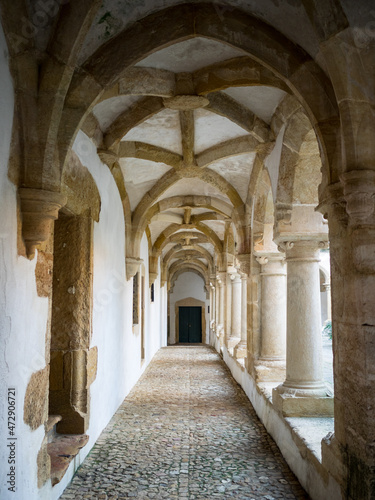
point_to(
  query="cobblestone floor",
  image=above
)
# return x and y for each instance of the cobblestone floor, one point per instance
(186, 431)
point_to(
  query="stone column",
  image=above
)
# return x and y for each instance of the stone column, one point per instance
(227, 309)
(271, 364)
(235, 335)
(240, 351)
(304, 392)
(221, 311)
(212, 307)
(217, 306)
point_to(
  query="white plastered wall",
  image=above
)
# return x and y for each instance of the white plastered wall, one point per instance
(188, 285)
(118, 342)
(24, 315)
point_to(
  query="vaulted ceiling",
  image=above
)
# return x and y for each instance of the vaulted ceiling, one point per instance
(185, 149)
(187, 104)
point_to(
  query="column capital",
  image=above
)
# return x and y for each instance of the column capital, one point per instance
(235, 277)
(39, 209)
(272, 263)
(303, 249)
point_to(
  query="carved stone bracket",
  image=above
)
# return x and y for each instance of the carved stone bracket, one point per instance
(39, 209)
(359, 195)
(333, 205)
(132, 266)
(152, 277)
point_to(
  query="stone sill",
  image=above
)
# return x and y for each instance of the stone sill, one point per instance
(62, 450)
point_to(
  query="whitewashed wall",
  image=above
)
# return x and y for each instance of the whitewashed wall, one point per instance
(118, 343)
(23, 315)
(188, 285)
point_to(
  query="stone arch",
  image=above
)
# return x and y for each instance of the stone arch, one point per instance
(177, 249)
(267, 46)
(298, 139)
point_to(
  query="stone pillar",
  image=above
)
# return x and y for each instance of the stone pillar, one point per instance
(271, 364)
(350, 454)
(304, 392)
(235, 335)
(240, 350)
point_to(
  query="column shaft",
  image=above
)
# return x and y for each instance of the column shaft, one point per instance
(235, 335)
(240, 350)
(304, 391)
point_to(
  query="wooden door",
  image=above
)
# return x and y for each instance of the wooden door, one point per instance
(190, 325)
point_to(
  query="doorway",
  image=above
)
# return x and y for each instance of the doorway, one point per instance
(190, 325)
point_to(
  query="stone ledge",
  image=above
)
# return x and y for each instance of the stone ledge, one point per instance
(63, 449)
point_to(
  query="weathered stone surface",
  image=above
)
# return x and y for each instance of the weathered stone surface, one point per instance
(35, 410)
(44, 465)
(62, 451)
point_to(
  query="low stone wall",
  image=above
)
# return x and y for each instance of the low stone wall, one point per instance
(296, 448)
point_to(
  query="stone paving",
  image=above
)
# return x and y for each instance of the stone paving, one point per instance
(186, 431)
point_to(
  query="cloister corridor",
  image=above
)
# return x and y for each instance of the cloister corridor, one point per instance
(186, 431)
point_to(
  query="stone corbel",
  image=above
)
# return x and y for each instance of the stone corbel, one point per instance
(359, 189)
(132, 266)
(152, 277)
(332, 205)
(39, 208)
(152, 268)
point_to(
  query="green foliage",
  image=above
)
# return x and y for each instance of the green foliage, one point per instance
(327, 329)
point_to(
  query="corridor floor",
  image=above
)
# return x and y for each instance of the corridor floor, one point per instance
(186, 431)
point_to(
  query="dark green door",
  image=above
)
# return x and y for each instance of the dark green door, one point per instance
(190, 325)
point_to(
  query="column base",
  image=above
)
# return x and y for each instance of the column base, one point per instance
(240, 350)
(302, 403)
(267, 370)
(232, 342)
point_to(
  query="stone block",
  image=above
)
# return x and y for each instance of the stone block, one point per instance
(35, 411)
(232, 342)
(291, 406)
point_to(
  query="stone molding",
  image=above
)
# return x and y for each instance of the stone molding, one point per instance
(39, 209)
